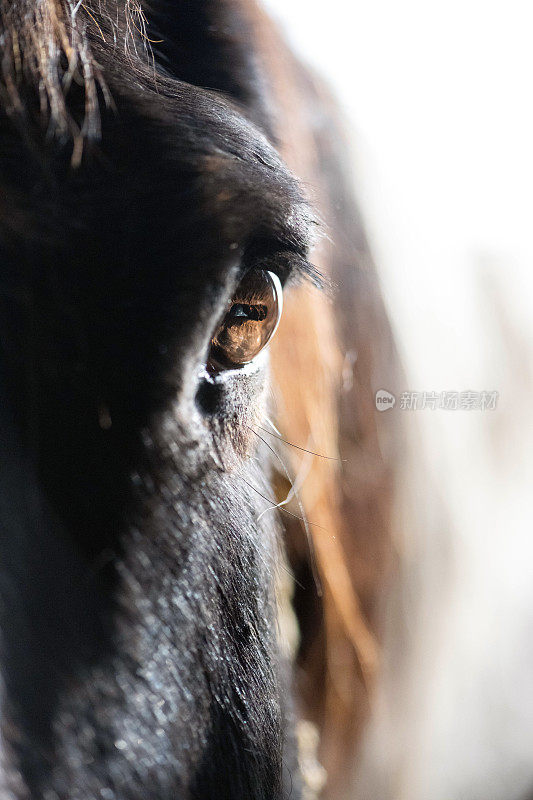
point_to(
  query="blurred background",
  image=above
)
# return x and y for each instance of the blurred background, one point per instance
(438, 101)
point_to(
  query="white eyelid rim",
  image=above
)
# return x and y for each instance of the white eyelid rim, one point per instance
(224, 375)
(279, 291)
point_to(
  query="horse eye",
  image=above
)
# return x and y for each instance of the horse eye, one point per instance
(250, 321)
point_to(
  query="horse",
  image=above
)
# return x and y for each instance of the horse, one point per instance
(192, 465)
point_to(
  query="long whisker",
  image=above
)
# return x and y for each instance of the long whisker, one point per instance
(290, 444)
(301, 476)
(276, 505)
(267, 419)
(285, 568)
(294, 490)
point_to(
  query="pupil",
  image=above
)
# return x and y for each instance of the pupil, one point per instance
(242, 311)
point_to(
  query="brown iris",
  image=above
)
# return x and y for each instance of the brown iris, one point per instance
(250, 322)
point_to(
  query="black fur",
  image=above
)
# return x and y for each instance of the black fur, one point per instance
(138, 638)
